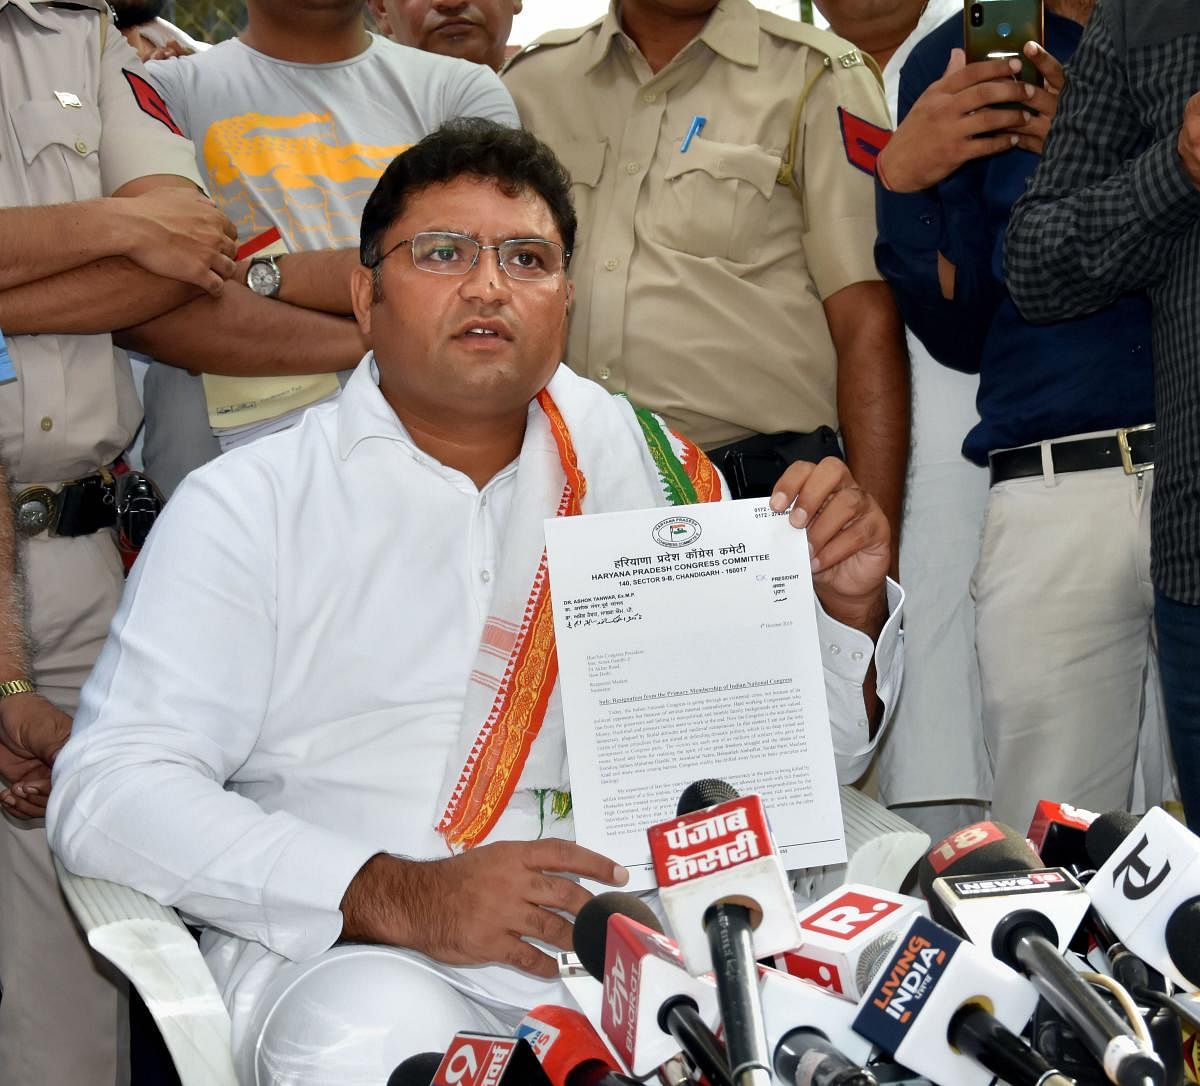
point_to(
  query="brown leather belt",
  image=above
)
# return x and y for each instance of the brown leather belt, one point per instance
(1130, 448)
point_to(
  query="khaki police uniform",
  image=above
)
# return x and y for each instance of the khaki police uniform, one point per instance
(699, 276)
(74, 130)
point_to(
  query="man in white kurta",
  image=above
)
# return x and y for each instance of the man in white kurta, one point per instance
(288, 682)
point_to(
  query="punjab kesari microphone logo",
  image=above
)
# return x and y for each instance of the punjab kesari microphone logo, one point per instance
(676, 532)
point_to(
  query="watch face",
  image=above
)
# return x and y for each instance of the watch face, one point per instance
(263, 278)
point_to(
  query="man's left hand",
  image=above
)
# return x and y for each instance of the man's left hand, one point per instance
(848, 536)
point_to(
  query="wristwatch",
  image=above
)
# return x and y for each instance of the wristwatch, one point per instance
(16, 686)
(263, 276)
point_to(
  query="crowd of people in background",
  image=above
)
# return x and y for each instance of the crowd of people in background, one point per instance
(967, 297)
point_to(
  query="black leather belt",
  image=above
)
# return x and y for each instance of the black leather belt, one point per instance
(1130, 448)
(80, 507)
(752, 466)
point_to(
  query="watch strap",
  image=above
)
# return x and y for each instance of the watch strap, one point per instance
(16, 686)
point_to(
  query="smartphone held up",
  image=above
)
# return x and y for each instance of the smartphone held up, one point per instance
(999, 29)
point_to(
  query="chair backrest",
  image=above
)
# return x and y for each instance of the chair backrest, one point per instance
(151, 946)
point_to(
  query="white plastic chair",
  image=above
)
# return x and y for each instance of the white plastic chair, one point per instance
(151, 946)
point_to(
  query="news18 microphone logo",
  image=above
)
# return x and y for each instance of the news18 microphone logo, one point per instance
(962, 842)
(714, 839)
(905, 984)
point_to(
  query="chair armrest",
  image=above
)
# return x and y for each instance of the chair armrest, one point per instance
(151, 946)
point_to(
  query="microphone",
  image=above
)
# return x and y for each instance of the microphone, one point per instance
(949, 1010)
(653, 1008)
(718, 874)
(417, 1070)
(570, 1051)
(810, 1033)
(1057, 833)
(847, 935)
(1147, 888)
(999, 895)
(479, 1059)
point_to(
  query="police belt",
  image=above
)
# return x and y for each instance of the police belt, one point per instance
(753, 466)
(80, 507)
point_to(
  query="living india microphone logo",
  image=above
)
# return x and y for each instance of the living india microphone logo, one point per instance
(676, 532)
(913, 972)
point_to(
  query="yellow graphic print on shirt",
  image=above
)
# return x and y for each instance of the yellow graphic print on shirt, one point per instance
(311, 183)
(294, 173)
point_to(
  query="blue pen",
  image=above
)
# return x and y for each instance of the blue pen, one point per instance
(698, 123)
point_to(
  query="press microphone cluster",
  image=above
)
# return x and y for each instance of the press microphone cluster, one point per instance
(992, 885)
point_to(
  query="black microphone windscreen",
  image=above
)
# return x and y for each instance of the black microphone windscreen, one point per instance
(1003, 850)
(417, 1070)
(704, 793)
(1181, 940)
(1105, 835)
(590, 936)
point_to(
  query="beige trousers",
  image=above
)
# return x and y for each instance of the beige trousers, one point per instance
(61, 1018)
(1064, 608)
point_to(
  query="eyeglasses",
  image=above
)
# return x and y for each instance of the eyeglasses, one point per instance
(444, 253)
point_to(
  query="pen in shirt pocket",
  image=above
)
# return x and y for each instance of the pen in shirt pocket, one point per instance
(698, 123)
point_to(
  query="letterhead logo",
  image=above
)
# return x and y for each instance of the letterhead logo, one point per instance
(849, 916)
(676, 532)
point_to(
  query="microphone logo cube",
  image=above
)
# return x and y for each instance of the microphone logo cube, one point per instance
(912, 973)
(932, 973)
(480, 1060)
(846, 936)
(641, 968)
(714, 839)
(723, 853)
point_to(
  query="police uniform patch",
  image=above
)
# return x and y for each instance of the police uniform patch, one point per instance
(862, 139)
(150, 101)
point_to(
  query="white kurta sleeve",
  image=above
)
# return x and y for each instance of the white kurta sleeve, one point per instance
(846, 654)
(171, 712)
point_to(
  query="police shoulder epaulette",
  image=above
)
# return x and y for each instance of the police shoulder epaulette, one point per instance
(565, 36)
(840, 53)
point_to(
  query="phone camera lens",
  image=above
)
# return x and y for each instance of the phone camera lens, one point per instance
(977, 15)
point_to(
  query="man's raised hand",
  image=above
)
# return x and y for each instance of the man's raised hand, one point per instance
(848, 536)
(478, 907)
(953, 122)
